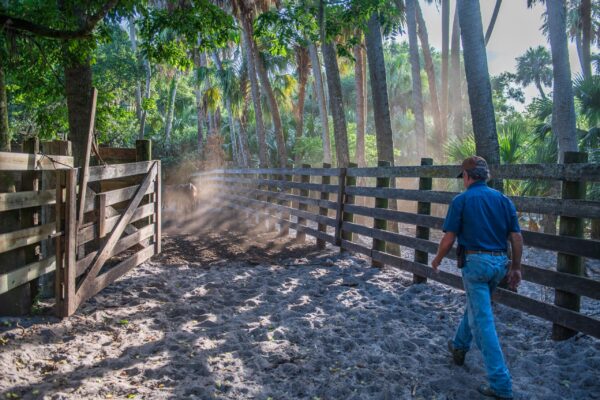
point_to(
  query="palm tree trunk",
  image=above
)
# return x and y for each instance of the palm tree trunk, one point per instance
(244, 146)
(274, 108)
(490, 29)
(198, 61)
(435, 107)
(171, 109)
(585, 12)
(361, 111)
(563, 108)
(318, 77)
(478, 81)
(417, 91)
(248, 43)
(4, 133)
(146, 96)
(138, 84)
(303, 69)
(455, 92)
(538, 85)
(445, 51)
(232, 133)
(378, 79)
(336, 103)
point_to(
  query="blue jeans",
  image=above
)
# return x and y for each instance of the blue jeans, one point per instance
(481, 274)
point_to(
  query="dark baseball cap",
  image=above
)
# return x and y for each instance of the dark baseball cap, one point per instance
(476, 166)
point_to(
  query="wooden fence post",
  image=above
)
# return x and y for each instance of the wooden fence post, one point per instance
(325, 180)
(16, 301)
(380, 202)
(569, 226)
(301, 236)
(143, 152)
(348, 199)
(51, 180)
(268, 222)
(339, 212)
(422, 231)
(157, 209)
(285, 216)
(66, 248)
(31, 216)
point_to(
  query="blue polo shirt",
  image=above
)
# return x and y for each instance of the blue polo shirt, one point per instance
(482, 218)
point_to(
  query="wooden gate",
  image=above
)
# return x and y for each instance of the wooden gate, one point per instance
(120, 229)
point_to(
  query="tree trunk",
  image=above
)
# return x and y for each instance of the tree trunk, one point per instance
(274, 108)
(4, 133)
(490, 29)
(244, 146)
(336, 103)
(138, 84)
(248, 43)
(445, 48)
(381, 109)
(478, 81)
(146, 96)
(585, 11)
(360, 78)
(417, 91)
(316, 67)
(435, 107)
(538, 85)
(199, 63)
(171, 109)
(303, 68)
(232, 133)
(78, 88)
(563, 108)
(455, 92)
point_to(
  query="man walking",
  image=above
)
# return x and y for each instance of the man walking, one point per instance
(483, 220)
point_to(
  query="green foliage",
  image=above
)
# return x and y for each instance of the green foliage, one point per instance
(535, 67)
(587, 92)
(170, 34)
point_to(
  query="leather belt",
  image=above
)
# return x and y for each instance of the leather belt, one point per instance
(493, 253)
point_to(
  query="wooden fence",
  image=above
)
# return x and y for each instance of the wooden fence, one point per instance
(331, 198)
(120, 227)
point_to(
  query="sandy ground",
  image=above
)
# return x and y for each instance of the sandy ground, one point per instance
(228, 314)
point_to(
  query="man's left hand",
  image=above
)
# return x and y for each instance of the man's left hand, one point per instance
(513, 277)
(435, 263)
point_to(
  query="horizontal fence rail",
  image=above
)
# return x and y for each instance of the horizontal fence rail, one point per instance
(326, 197)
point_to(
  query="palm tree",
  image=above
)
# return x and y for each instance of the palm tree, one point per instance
(199, 64)
(274, 107)
(320, 94)
(417, 93)
(226, 78)
(563, 112)
(334, 84)
(445, 51)
(244, 16)
(378, 79)
(303, 64)
(535, 67)
(478, 81)
(429, 68)
(490, 29)
(455, 86)
(4, 133)
(171, 108)
(360, 79)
